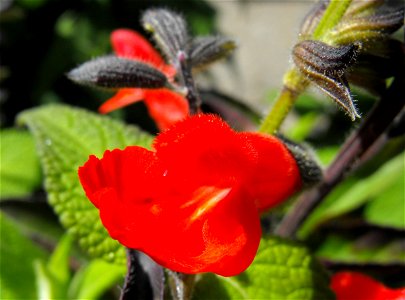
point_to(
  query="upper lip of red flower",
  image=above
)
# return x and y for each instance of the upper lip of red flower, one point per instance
(190, 203)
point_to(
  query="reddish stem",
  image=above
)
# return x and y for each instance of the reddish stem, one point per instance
(379, 119)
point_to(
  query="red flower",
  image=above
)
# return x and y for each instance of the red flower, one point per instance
(192, 203)
(357, 286)
(164, 106)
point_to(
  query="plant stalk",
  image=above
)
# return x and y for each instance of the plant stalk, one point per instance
(192, 96)
(181, 285)
(137, 285)
(279, 111)
(357, 145)
(294, 82)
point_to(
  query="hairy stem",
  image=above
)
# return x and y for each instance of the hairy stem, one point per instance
(192, 95)
(294, 82)
(279, 111)
(379, 120)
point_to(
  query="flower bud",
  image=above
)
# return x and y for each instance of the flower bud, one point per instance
(324, 58)
(361, 7)
(169, 31)
(309, 169)
(206, 50)
(311, 20)
(325, 66)
(113, 72)
(368, 28)
(373, 68)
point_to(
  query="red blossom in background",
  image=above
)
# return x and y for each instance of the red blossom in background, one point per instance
(193, 202)
(357, 286)
(165, 106)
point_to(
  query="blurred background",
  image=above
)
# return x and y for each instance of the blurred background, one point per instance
(41, 40)
(361, 224)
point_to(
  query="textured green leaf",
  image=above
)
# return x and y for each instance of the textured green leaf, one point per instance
(20, 172)
(65, 137)
(353, 193)
(281, 270)
(17, 256)
(88, 284)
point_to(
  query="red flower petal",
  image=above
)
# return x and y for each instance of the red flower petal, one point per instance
(122, 98)
(354, 285)
(165, 107)
(207, 144)
(270, 167)
(212, 229)
(277, 175)
(122, 186)
(189, 204)
(130, 44)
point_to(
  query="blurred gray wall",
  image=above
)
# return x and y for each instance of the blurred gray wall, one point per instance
(266, 31)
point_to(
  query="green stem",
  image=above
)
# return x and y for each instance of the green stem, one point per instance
(294, 82)
(331, 17)
(279, 111)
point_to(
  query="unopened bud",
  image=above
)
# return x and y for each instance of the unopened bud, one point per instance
(367, 28)
(325, 66)
(113, 73)
(309, 168)
(206, 50)
(361, 8)
(324, 58)
(311, 20)
(169, 31)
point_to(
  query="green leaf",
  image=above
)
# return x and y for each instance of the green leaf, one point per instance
(58, 265)
(45, 285)
(17, 255)
(53, 278)
(65, 138)
(281, 270)
(327, 154)
(20, 172)
(32, 4)
(309, 102)
(88, 284)
(352, 193)
(368, 248)
(303, 127)
(326, 210)
(388, 208)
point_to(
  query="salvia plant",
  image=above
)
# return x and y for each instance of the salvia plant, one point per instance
(203, 210)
